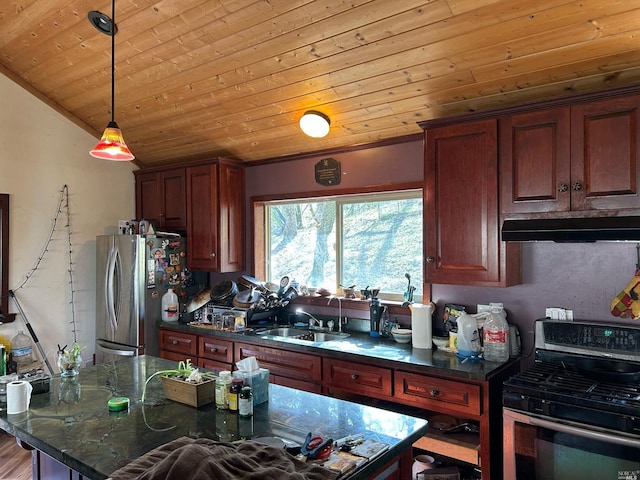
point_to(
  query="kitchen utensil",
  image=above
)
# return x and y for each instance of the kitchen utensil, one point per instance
(246, 298)
(223, 292)
(607, 370)
(284, 283)
(199, 300)
(401, 335)
(315, 448)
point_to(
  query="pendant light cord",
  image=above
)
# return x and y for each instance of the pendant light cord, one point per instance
(113, 59)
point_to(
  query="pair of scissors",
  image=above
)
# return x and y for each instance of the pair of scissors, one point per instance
(315, 448)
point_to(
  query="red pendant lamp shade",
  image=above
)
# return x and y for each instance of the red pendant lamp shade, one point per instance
(111, 146)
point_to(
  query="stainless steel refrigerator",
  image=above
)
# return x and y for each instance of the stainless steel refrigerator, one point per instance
(133, 272)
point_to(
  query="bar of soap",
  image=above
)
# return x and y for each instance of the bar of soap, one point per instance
(118, 404)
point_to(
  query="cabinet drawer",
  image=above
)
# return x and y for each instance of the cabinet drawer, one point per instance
(179, 342)
(437, 394)
(282, 362)
(213, 365)
(215, 349)
(358, 378)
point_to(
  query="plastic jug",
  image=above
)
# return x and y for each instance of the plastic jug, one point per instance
(468, 336)
(170, 306)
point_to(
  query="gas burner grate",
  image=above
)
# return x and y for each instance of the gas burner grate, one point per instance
(556, 381)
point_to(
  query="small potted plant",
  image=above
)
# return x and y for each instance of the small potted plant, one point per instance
(69, 360)
(186, 384)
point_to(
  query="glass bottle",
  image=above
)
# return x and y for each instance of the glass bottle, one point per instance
(234, 393)
(245, 403)
(223, 385)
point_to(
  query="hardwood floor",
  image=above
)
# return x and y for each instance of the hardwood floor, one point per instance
(15, 461)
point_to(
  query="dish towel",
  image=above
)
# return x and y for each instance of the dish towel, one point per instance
(204, 459)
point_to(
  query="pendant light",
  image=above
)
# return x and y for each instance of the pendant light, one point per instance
(315, 124)
(111, 146)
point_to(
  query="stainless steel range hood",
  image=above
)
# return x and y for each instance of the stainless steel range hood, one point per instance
(590, 229)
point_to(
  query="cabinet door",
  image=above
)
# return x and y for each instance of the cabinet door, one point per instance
(202, 218)
(161, 198)
(174, 210)
(462, 244)
(605, 153)
(231, 215)
(149, 198)
(535, 155)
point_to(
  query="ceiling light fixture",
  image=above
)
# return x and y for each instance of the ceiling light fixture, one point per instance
(315, 124)
(111, 146)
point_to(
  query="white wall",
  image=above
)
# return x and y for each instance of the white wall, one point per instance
(40, 152)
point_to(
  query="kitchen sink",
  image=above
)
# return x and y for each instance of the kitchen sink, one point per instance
(306, 335)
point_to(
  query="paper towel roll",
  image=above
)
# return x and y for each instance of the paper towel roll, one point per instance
(18, 396)
(421, 325)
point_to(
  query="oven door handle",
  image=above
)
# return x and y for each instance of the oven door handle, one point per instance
(582, 432)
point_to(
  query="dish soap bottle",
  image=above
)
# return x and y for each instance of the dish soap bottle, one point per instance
(22, 349)
(496, 336)
(170, 306)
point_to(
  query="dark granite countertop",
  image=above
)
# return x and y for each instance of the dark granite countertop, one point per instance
(382, 350)
(71, 422)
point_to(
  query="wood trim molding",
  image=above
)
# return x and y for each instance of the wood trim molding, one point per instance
(4, 259)
(529, 107)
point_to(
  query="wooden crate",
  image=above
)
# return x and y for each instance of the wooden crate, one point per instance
(192, 394)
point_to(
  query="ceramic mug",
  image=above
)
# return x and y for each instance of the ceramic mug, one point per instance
(420, 464)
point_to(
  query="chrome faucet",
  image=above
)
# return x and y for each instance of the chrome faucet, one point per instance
(314, 323)
(339, 311)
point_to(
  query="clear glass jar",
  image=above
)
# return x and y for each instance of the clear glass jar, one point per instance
(223, 385)
(69, 363)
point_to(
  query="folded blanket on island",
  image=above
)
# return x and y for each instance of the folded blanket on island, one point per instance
(203, 459)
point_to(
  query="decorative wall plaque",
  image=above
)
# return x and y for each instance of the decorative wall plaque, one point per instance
(328, 172)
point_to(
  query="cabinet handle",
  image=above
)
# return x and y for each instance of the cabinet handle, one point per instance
(174, 342)
(563, 187)
(212, 255)
(431, 259)
(434, 392)
(162, 214)
(355, 376)
(576, 187)
(214, 349)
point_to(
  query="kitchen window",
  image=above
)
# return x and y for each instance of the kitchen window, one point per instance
(364, 240)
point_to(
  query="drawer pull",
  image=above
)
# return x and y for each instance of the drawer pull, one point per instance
(214, 349)
(434, 392)
(431, 259)
(174, 342)
(355, 376)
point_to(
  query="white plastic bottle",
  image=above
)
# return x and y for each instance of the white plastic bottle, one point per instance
(170, 308)
(22, 349)
(496, 336)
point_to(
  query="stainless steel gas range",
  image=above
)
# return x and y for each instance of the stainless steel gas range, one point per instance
(575, 413)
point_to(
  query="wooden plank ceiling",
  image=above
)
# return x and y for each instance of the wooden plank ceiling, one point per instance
(202, 78)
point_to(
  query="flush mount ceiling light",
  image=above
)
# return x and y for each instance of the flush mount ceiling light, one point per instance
(111, 146)
(315, 124)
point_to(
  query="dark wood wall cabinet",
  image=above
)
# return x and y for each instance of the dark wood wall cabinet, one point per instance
(161, 198)
(461, 208)
(398, 386)
(204, 200)
(570, 157)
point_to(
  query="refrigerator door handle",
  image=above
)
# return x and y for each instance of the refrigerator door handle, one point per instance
(112, 349)
(109, 294)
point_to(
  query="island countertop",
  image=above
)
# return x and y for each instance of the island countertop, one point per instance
(71, 423)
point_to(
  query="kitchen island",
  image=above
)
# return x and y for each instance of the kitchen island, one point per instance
(71, 423)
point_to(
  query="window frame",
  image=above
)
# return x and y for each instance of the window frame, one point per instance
(258, 209)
